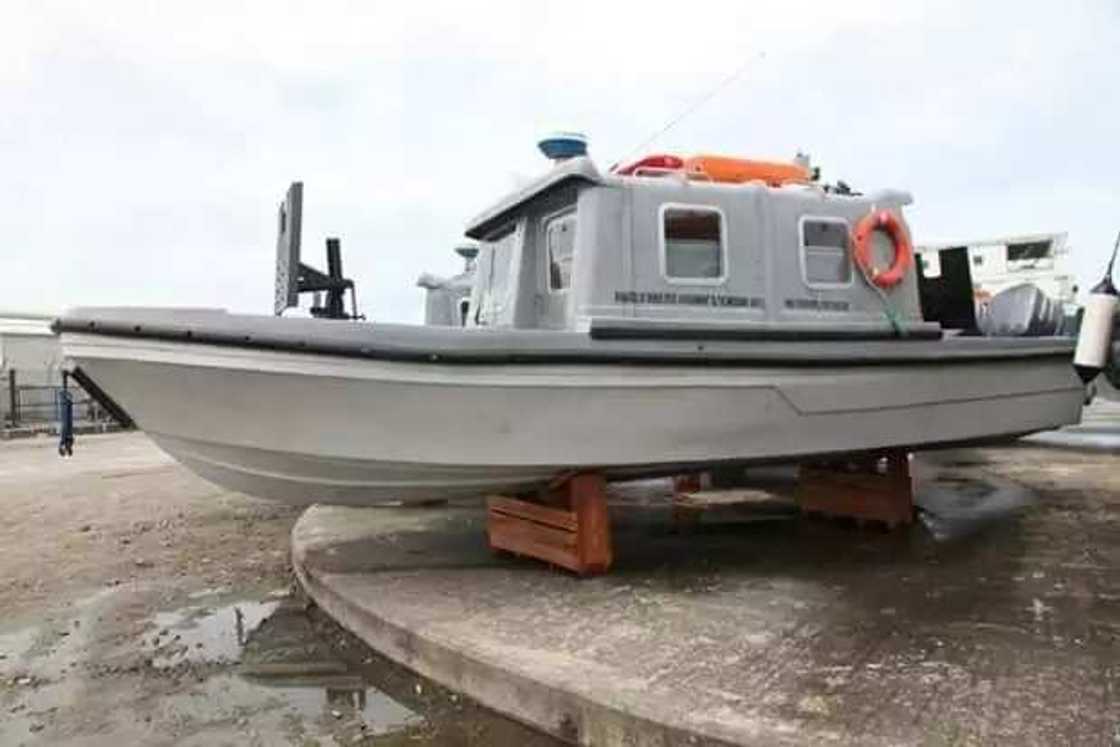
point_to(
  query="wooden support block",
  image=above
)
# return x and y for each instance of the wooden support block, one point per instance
(875, 489)
(576, 537)
(684, 515)
(556, 518)
(593, 531)
(691, 483)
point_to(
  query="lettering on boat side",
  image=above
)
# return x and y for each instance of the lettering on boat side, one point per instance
(817, 304)
(669, 298)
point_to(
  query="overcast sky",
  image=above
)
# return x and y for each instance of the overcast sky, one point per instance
(144, 146)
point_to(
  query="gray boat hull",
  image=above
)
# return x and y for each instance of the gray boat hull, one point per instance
(362, 429)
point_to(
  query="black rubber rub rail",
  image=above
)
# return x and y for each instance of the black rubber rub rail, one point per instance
(511, 346)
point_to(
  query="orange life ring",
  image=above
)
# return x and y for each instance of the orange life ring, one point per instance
(882, 220)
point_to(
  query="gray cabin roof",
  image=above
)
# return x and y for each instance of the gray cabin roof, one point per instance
(583, 169)
(574, 169)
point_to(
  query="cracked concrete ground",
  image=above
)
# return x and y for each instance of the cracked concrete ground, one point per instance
(993, 620)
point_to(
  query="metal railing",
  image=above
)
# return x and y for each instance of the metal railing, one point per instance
(39, 404)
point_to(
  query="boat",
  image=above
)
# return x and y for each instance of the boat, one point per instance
(999, 263)
(635, 321)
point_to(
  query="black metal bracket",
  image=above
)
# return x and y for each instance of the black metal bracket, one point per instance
(98, 395)
(333, 283)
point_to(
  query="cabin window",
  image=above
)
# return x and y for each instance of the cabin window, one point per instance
(825, 259)
(977, 260)
(692, 241)
(1028, 251)
(560, 240)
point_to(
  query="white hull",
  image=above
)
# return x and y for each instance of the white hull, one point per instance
(305, 428)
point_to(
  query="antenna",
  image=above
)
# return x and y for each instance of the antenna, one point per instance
(1105, 285)
(1112, 259)
(692, 108)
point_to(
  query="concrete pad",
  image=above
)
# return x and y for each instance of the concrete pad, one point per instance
(1099, 430)
(773, 632)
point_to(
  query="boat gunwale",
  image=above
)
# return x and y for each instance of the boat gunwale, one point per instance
(523, 347)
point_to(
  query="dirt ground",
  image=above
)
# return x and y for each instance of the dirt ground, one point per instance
(141, 605)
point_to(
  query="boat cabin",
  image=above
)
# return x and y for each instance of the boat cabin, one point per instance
(667, 248)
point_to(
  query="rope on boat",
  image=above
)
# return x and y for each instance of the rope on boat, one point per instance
(888, 309)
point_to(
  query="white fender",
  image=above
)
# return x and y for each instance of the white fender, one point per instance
(1095, 337)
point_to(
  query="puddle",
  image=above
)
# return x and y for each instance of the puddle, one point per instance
(287, 684)
(954, 506)
(204, 634)
(212, 672)
(287, 680)
(276, 710)
(350, 698)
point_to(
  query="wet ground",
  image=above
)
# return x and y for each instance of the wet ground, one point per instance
(219, 670)
(139, 604)
(144, 606)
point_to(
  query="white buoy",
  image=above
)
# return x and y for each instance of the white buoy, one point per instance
(1094, 339)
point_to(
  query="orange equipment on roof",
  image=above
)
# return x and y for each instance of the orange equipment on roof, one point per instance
(659, 162)
(739, 170)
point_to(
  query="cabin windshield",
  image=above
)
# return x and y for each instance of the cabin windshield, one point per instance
(494, 275)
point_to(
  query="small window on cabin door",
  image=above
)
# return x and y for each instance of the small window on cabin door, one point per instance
(560, 240)
(825, 258)
(692, 243)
